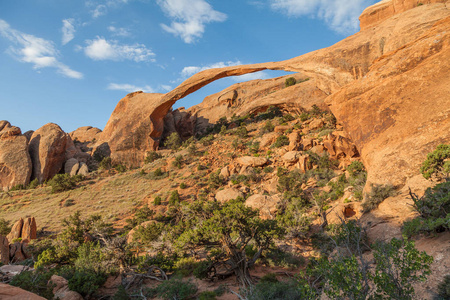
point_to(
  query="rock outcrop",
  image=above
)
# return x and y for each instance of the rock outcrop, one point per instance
(49, 148)
(15, 163)
(9, 292)
(22, 232)
(86, 134)
(4, 250)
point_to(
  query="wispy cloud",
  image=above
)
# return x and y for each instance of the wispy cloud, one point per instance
(41, 53)
(101, 8)
(129, 88)
(102, 49)
(251, 76)
(191, 70)
(340, 16)
(189, 17)
(121, 32)
(68, 30)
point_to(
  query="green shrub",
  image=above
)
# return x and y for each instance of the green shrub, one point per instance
(121, 294)
(186, 266)
(69, 202)
(270, 113)
(183, 185)
(35, 282)
(275, 257)
(86, 282)
(120, 168)
(304, 116)
(437, 162)
(105, 164)
(268, 169)
(215, 180)
(148, 233)
(157, 200)
(355, 168)
(201, 270)
(33, 184)
(158, 172)
(207, 140)
(290, 81)
(281, 141)
(5, 227)
(173, 141)
(63, 182)
(152, 156)
(207, 295)
(178, 162)
(268, 127)
(241, 132)
(141, 215)
(444, 288)
(174, 198)
(176, 288)
(378, 194)
(270, 290)
(434, 210)
(287, 118)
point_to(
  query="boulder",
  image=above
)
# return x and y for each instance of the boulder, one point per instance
(29, 229)
(294, 141)
(307, 144)
(84, 170)
(71, 166)
(47, 147)
(16, 230)
(86, 134)
(252, 161)
(282, 128)
(9, 292)
(291, 157)
(225, 172)
(4, 250)
(228, 194)
(302, 163)
(268, 139)
(267, 205)
(318, 149)
(16, 252)
(15, 162)
(316, 124)
(61, 289)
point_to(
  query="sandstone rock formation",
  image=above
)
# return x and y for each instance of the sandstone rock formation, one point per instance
(16, 230)
(252, 161)
(85, 134)
(9, 292)
(4, 250)
(228, 194)
(49, 148)
(24, 229)
(15, 163)
(61, 289)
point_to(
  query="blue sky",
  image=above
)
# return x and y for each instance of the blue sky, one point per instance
(70, 62)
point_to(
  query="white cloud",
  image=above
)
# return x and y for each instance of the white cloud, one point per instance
(129, 88)
(68, 31)
(100, 8)
(122, 32)
(101, 49)
(166, 88)
(250, 76)
(191, 70)
(189, 17)
(37, 51)
(340, 16)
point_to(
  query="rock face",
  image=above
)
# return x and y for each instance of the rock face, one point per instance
(49, 148)
(15, 163)
(4, 250)
(9, 292)
(85, 134)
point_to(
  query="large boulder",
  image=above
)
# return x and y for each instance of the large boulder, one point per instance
(9, 292)
(61, 289)
(29, 229)
(228, 194)
(86, 134)
(267, 205)
(252, 161)
(15, 162)
(49, 148)
(16, 230)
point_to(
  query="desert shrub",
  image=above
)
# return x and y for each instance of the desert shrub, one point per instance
(241, 132)
(120, 168)
(207, 140)
(64, 182)
(268, 169)
(121, 294)
(178, 162)
(223, 130)
(105, 163)
(304, 116)
(270, 113)
(157, 200)
(33, 184)
(276, 290)
(437, 162)
(444, 288)
(158, 172)
(355, 168)
(5, 227)
(183, 185)
(176, 288)
(253, 147)
(148, 234)
(377, 194)
(152, 156)
(201, 270)
(186, 266)
(85, 281)
(141, 215)
(35, 282)
(281, 141)
(215, 180)
(17, 187)
(292, 215)
(287, 118)
(238, 144)
(316, 111)
(290, 81)
(434, 210)
(92, 256)
(174, 198)
(275, 257)
(69, 202)
(268, 127)
(173, 141)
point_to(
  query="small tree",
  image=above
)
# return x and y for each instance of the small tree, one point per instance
(228, 228)
(173, 141)
(437, 162)
(290, 82)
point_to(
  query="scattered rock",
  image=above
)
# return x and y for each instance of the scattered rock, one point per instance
(9, 292)
(228, 194)
(252, 161)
